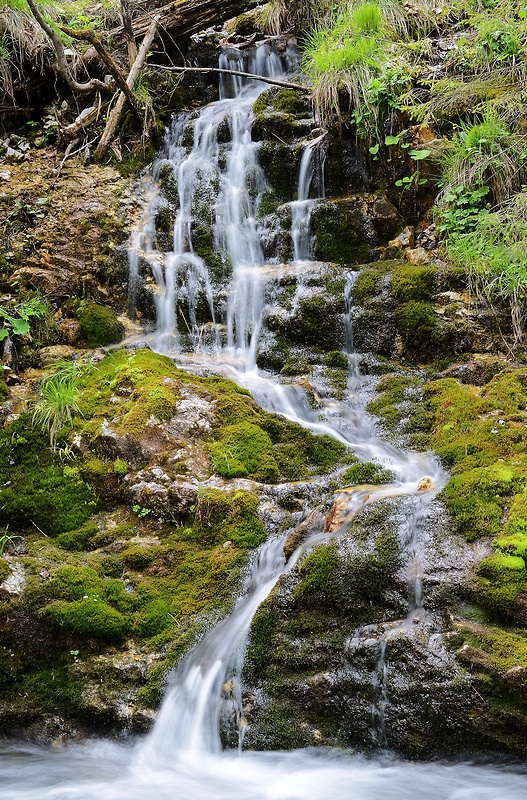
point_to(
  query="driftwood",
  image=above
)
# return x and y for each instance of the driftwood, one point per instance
(117, 112)
(185, 17)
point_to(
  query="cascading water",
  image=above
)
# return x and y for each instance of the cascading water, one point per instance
(183, 758)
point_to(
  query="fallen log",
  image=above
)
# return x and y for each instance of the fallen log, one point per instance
(185, 17)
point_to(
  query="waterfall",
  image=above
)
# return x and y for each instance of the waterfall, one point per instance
(183, 757)
(302, 207)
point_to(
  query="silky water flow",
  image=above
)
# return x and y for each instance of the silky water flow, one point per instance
(183, 758)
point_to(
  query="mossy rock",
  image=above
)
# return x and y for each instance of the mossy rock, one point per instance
(79, 539)
(498, 582)
(419, 328)
(336, 359)
(367, 473)
(228, 516)
(334, 239)
(89, 616)
(476, 498)
(5, 569)
(411, 283)
(39, 490)
(318, 322)
(244, 451)
(99, 324)
(367, 285)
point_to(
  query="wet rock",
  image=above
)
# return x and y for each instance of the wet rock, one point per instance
(417, 255)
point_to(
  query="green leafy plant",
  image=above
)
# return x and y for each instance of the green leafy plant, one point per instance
(18, 323)
(495, 251)
(59, 395)
(6, 539)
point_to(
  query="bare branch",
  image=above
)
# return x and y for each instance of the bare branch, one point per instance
(273, 81)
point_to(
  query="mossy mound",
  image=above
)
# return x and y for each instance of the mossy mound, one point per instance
(409, 283)
(99, 324)
(39, 489)
(498, 582)
(228, 517)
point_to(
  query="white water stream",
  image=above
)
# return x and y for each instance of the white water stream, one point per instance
(182, 759)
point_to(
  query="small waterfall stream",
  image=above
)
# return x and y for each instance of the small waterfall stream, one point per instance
(182, 758)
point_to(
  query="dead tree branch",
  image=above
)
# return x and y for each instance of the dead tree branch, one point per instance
(273, 81)
(109, 63)
(62, 62)
(117, 112)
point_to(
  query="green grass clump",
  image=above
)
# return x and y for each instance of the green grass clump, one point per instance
(99, 324)
(495, 250)
(228, 516)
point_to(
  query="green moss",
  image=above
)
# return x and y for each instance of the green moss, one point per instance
(367, 473)
(217, 261)
(476, 498)
(244, 451)
(4, 389)
(268, 204)
(394, 390)
(334, 239)
(154, 618)
(89, 616)
(506, 649)
(228, 516)
(79, 539)
(295, 365)
(168, 184)
(317, 322)
(164, 220)
(263, 627)
(38, 489)
(418, 326)
(99, 324)
(497, 583)
(411, 283)
(264, 100)
(290, 101)
(367, 285)
(336, 359)
(120, 467)
(5, 569)
(318, 572)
